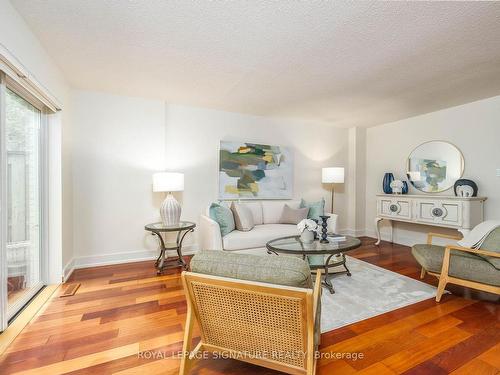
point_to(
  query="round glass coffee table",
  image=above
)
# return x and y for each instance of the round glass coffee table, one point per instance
(183, 228)
(321, 256)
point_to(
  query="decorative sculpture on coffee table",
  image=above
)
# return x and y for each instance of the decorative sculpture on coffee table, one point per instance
(324, 229)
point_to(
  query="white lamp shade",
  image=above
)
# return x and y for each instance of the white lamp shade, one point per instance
(332, 175)
(168, 181)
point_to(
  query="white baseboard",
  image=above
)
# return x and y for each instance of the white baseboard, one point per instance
(353, 232)
(68, 270)
(398, 239)
(125, 257)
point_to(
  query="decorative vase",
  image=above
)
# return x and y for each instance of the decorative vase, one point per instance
(405, 187)
(386, 183)
(170, 211)
(307, 236)
(465, 188)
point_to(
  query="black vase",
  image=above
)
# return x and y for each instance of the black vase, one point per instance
(386, 183)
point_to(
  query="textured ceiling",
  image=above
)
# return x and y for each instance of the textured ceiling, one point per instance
(345, 63)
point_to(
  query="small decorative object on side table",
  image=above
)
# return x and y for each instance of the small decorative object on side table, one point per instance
(182, 228)
(324, 229)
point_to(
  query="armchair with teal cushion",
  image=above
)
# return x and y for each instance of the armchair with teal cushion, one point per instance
(473, 268)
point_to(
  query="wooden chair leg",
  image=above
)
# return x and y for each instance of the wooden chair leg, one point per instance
(187, 344)
(422, 273)
(443, 277)
(440, 290)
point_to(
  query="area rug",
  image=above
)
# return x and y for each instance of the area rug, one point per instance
(370, 291)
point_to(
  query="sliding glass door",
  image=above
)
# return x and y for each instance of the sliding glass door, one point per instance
(22, 219)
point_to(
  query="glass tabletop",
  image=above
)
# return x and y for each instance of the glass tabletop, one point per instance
(159, 227)
(293, 244)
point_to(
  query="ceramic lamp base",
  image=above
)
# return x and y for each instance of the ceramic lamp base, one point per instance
(170, 211)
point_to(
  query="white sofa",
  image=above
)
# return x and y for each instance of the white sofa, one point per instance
(266, 216)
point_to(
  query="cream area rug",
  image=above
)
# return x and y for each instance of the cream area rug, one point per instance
(370, 291)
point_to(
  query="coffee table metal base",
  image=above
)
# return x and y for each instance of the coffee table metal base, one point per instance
(327, 283)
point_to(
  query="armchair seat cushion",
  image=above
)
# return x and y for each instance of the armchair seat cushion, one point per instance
(463, 265)
(281, 270)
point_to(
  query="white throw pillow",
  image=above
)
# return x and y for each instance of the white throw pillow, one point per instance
(256, 208)
(272, 210)
(243, 217)
(293, 216)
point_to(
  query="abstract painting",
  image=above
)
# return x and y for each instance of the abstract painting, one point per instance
(255, 171)
(431, 174)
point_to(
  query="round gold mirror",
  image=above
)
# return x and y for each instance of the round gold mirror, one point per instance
(434, 166)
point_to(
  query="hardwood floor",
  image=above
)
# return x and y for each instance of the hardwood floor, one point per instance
(122, 310)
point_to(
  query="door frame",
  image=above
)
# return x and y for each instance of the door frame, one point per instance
(6, 312)
(3, 212)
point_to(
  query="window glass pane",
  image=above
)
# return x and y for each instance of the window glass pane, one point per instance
(23, 196)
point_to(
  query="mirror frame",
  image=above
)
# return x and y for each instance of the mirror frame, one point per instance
(423, 143)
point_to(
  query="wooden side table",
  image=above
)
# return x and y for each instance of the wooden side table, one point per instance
(183, 228)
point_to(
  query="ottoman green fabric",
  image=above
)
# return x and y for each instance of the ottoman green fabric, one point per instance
(279, 270)
(463, 265)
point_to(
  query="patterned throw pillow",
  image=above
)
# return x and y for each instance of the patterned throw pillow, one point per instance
(224, 217)
(316, 209)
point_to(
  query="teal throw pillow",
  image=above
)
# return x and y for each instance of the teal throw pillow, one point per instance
(224, 217)
(316, 209)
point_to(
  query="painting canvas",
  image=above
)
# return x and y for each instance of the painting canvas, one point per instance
(255, 171)
(431, 174)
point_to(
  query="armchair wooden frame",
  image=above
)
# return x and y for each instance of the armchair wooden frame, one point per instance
(251, 321)
(445, 278)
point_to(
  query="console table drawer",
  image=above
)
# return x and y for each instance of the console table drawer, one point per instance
(396, 208)
(435, 212)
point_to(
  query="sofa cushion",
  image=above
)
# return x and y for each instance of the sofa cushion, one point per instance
(256, 208)
(463, 265)
(279, 270)
(243, 217)
(492, 243)
(258, 236)
(293, 216)
(223, 216)
(272, 210)
(316, 209)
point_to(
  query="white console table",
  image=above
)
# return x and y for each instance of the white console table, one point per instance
(458, 213)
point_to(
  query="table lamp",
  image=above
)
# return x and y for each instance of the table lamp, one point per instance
(170, 210)
(332, 175)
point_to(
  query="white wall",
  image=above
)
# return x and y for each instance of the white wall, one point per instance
(18, 39)
(474, 128)
(192, 143)
(119, 142)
